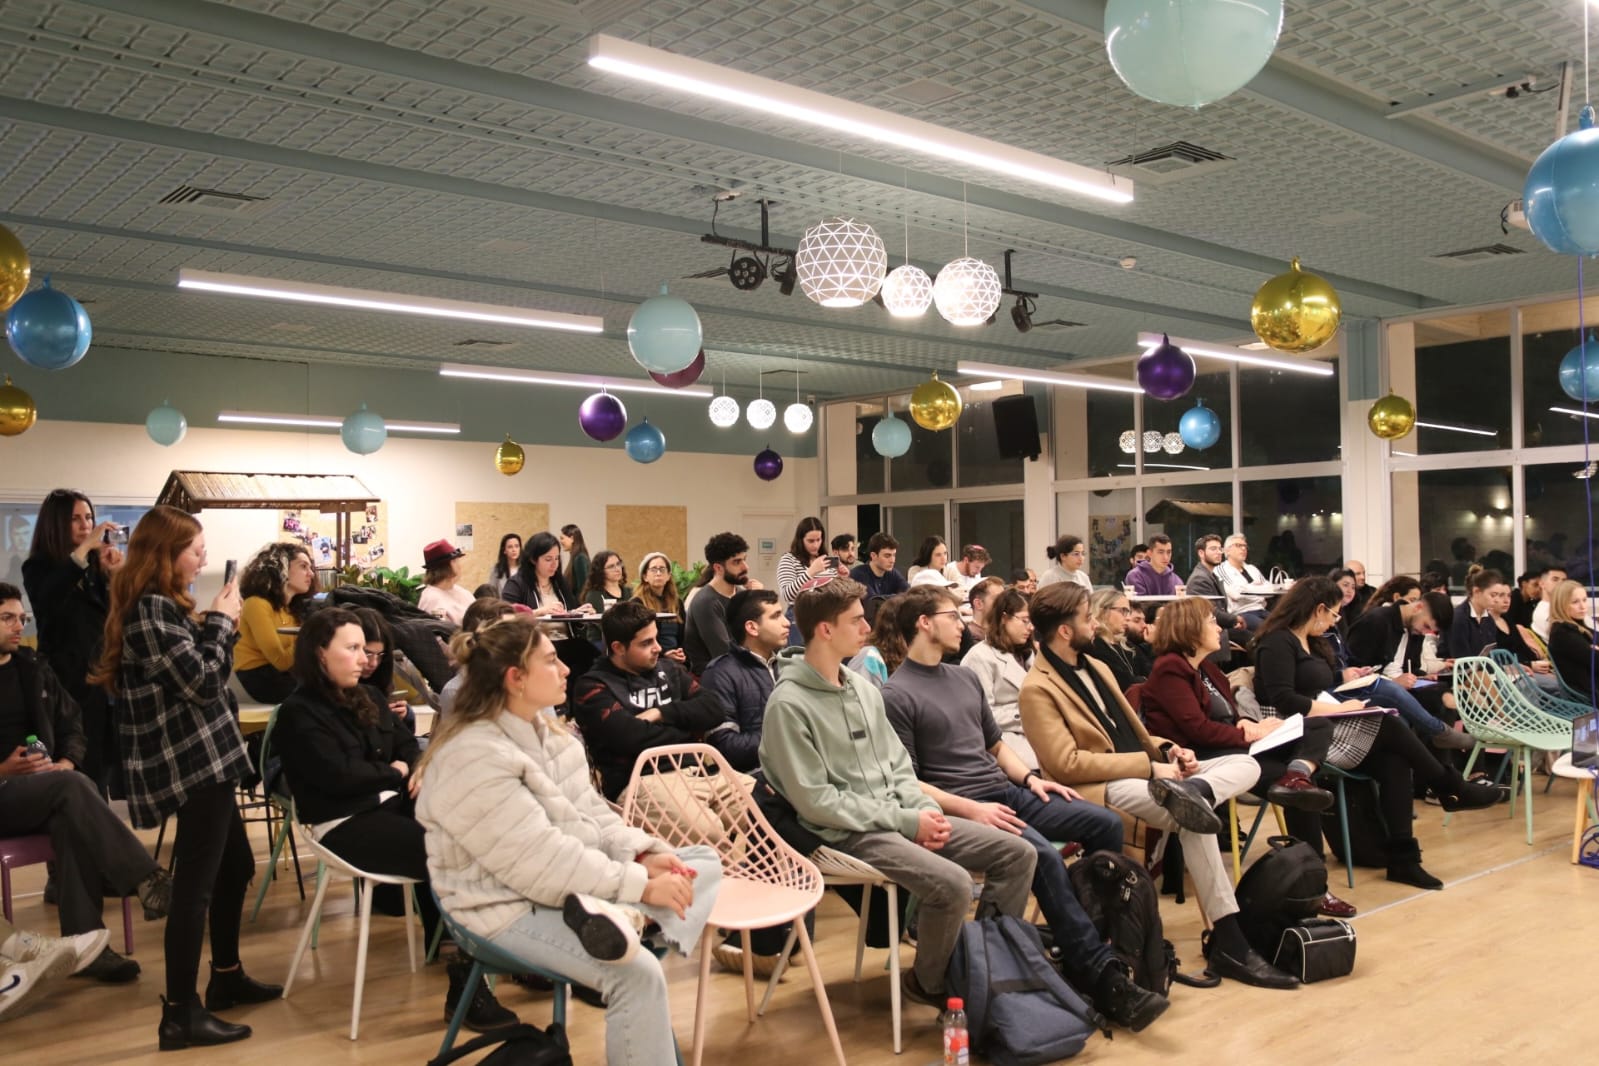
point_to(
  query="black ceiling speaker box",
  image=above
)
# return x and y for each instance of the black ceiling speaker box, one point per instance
(1016, 427)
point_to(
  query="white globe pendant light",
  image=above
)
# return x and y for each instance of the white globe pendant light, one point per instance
(761, 413)
(907, 291)
(840, 262)
(967, 292)
(797, 417)
(724, 412)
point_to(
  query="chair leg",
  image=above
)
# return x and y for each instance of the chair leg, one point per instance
(272, 867)
(562, 988)
(777, 973)
(892, 891)
(433, 945)
(699, 996)
(410, 926)
(1343, 832)
(5, 891)
(310, 925)
(1526, 787)
(1232, 829)
(294, 853)
(127, 924)
(749, 974)
(316, 930)
(465, 1002)
(860, 930)
(360, 956)
(821, 992)
(160, 835)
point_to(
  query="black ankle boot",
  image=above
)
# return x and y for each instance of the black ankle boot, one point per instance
(234, 988)
(1404, 864)
(188, 1024)
(484, 1013)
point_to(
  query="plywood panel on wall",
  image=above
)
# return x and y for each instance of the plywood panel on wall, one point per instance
(490, 522)
(635, 530)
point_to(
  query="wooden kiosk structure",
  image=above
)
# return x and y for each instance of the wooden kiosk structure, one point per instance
(336, 494)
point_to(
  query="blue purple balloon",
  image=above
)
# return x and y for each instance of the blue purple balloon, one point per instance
(602, 417)
(1166, 372)
(768, 465)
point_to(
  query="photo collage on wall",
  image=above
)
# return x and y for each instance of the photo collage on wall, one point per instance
(319, 533)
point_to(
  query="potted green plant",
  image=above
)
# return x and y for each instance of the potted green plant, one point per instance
(686, 579)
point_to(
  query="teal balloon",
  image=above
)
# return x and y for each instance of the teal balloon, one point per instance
(1578, 373)
(664, 334)
(644, 443)
(891, 437)
(1561, 194)
(48, 329)
(364, 432)
(166, 425)
(1190, 52)
(1199, 427)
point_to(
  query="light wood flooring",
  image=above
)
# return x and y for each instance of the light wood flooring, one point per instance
(1496, 968)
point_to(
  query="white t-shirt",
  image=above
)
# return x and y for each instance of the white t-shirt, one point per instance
(1540, 620)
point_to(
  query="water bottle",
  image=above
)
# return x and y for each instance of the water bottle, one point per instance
(35, 746)
(957, 1042)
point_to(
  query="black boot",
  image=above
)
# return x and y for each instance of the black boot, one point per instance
(234, 988)
(1404, 864)
(1124, 1002)
(188, 1024)
(1455, 793)
(485, 1012)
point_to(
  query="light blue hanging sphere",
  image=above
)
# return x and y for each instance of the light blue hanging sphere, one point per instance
(644, 443)
(664, 334)
(48, 329)
(1199, 427)
(166, 425)
(1577, 373)
(1190, 52)
(364, 432)
(1561, 194)
(891, 437)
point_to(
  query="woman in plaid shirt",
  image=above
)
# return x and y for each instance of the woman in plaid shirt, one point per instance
(167, 667)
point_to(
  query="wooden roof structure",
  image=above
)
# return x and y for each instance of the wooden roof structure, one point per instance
(199, 490)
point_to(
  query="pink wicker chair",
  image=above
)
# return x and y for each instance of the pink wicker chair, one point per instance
(765, 882)
(30, 851)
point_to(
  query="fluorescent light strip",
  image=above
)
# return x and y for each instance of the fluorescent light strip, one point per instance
(1045, 377)
(372, 300)
(666, 69)
(571, 381)
(1163, 466)
(267, 418)
(1568, 410)
(1238, 355)
(987, 386)
(1458, 429)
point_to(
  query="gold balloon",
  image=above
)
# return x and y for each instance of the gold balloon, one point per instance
(17, 412)
(509, 457)
(935, 405)
(1391, 417)
(1296, 311)
(14, 270)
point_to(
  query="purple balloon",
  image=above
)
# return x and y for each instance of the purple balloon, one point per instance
(602, 417)
(682, 379)
(768, 465)
(1166, 372)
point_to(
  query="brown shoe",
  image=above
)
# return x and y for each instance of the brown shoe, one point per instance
(1294, 790)
(1333, 907)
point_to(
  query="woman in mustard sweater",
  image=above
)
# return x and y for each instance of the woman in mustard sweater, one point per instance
(276, 585)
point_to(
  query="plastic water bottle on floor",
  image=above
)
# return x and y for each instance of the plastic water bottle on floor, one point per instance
(957, 1042)
(35, 746)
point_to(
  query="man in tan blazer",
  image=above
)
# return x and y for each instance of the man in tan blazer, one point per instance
(1086, 736)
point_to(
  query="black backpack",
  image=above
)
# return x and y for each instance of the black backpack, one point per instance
(1285, 886)
(1121, 901)
(520, 1045)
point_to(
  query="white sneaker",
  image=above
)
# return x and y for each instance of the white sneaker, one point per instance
(24, 946)
(23, 982)
(607, 931)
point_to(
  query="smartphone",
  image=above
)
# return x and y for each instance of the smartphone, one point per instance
(229, 569)
(832, 561)
(115, 535)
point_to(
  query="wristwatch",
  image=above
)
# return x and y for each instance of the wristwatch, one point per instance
(1032, 774)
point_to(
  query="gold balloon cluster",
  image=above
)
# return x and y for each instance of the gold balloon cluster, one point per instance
(1296, 311)
(14, 269)
(509, 457)
(17, 412)
(1391, 417)
(935, 405)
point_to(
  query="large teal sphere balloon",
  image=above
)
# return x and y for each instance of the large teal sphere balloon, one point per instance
(166, 425)
(664, 334)
(48, 329)
(1190, 52)
(1578, 373)
(891, 437)
(1561, 194)
(1199, 427)
(364, 432)
(644, 443)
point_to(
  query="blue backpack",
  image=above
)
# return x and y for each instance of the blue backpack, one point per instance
(1019, 1010)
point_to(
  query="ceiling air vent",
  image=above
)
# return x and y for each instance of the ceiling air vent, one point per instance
(1169, 163)
(213, 201)
(478, 342)
(1488, 253)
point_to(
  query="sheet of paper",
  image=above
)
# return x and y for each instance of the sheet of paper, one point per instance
(1359, 683)
(1291, 730)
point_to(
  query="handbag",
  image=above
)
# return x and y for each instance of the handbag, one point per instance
(519, 1045)
(1317, 949)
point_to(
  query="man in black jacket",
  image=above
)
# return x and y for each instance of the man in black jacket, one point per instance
(634, 699)
(1388, 639)
(742, 679)
(46, 793)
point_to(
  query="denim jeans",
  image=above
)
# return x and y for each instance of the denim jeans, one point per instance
(1386, 693)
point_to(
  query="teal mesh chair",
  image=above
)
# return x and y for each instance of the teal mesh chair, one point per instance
(1497, 711)
(1559, 706)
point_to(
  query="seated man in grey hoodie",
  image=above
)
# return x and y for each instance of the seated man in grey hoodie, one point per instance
(828, 748)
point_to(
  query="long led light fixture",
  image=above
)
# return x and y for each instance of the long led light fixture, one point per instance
(591, 382)
(1458, 429)
(267, 418)
(1568, 410)
(1147, 341)
(1045, 377)
(372, 300)
(1163, 466)
(666, 69)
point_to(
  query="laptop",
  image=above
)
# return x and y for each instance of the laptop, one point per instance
(1585, 741)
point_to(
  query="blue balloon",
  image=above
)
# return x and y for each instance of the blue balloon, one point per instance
(1190, 52)
(48, 329)
(891, 437)
(364, 432)
(644, 443)
(1199, 427)
(1577, 373)
(1561, 194)
(664, 334)
(166, 425)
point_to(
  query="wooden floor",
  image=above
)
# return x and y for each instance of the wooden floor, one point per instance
(1495, 968)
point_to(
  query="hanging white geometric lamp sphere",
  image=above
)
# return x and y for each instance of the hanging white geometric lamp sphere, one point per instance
(840, 262)
(1173, 443)
(967, 292)
(1128, 441)
(761, 413)
(1153, 440)
(797, 417)
(724, 411)
(907, 291)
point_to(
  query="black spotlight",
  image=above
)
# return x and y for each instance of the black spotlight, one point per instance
(747, 273)
(786, 277)
(1022, 314)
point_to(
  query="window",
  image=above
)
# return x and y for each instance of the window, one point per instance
(1556, 523)
(1088, 428)
(1549, 331)
(1462, 384)
(912, 525)
(1460, 517)
(869, 466)
(16, 538)
(996, 525)
(1294, 523)
(1286, 417)
(929, 464)
(1215, 390)
(1186, 512)
(978, 445)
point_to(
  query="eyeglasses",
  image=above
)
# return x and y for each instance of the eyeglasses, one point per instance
(937, 614)
(9, 619)
(657, 570)
(1078, 554)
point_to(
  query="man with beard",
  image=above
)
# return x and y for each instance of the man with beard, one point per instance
(705, 633)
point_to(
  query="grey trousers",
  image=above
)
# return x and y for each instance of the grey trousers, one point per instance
(940, 879)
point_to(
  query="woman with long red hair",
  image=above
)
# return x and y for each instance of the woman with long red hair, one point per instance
(167, 666)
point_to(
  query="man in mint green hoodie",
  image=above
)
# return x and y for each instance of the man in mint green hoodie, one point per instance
(827, 747)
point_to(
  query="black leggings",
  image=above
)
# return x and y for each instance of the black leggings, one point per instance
(1400, 762)
(212, 868)
(389, 840)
